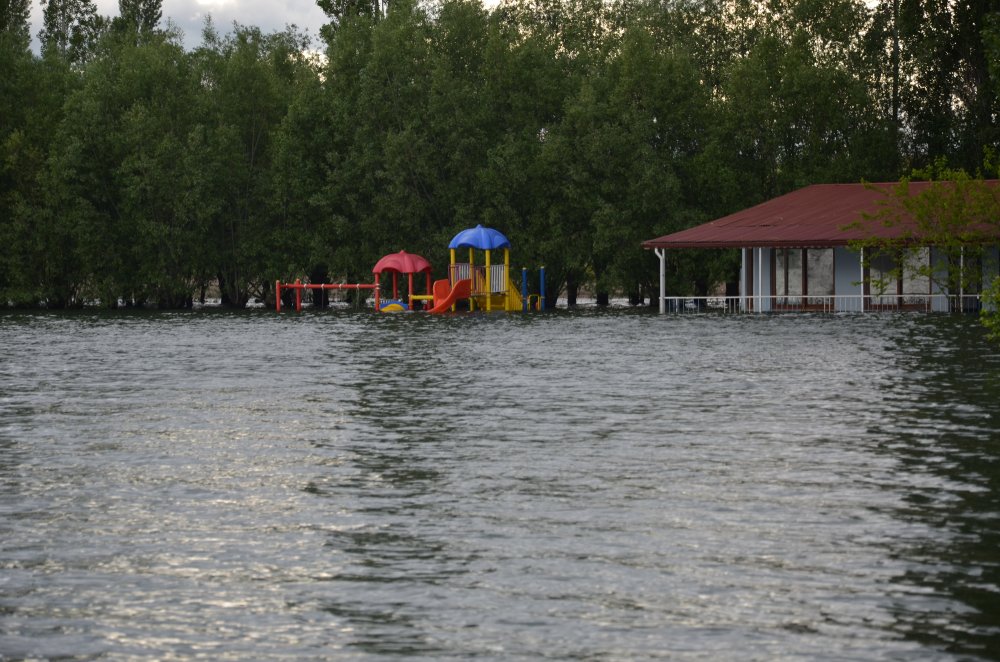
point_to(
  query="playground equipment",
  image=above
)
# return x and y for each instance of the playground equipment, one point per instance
(490, 284)
(299, 286)
(402, 263)
(487, 286)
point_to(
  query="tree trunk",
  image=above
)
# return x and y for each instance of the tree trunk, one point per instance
(175, 301)
(321, 298)
(231, 295)
(551, 298)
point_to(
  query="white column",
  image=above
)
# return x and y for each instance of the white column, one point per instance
(961, 279)
(861, 266)
(743, 280)
(662, 254)
(759, 266)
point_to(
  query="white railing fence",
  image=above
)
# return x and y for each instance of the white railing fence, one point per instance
(459, 271)
(498, 278)
(846, 303)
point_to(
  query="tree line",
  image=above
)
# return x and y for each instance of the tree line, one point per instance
(134, 171)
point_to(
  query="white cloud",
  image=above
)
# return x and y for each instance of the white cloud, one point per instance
(189, 15)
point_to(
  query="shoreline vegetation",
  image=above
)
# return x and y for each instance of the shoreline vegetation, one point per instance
(134, 170)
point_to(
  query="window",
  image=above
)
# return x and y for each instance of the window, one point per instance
(892, 280)
(819, 273)
(882, 279)
(800, 272)
(788, 276)
(913, 283)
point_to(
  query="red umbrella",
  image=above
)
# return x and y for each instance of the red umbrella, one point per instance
(402, 262)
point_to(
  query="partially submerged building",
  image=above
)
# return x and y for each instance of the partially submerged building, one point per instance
(800, 251)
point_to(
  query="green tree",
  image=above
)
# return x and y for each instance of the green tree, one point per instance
(664, 112)
(159, 178)
(947, 87)
(14, 17)
(557, 47)
(990, 313)
(137, 21)
(956, 214)
(382, 165)
(141, 15)
(328, 142)
(794, 120)
(71, 29)
(32, 93)
(118, 172)
(16, 84)
(246, 80)
(305, 228)
(577, 127)
(341, 11)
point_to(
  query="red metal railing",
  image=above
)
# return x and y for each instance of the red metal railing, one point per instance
(298, 286)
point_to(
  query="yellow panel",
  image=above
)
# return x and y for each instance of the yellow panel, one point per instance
(514, 301)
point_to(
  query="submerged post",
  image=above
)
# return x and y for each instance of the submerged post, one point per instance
(541, 288)
(524, 289)
(472, 275)
(277, 295)
(505, 283)
(489, 283)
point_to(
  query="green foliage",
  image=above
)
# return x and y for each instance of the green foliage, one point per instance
(341, 11)
(71, 30)
(141, 15)
(990, 313)
(950, 94)
(14, 15)
(956, 214)
(246, 80)
(133, 171)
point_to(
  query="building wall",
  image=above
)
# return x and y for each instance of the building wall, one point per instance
(848, 277)
(991, 269)
(938, 304)
(763, 257)
(758, 290)
(847, 281)
(991, 265)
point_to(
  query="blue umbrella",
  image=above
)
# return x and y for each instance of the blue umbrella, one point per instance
(484, 239)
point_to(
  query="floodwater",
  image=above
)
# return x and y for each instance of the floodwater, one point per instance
(565, 486)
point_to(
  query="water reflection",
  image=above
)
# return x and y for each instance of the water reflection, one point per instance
(943, 429)
(385, 630)
(613, 486)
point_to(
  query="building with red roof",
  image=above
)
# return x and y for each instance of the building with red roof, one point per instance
(799, 251)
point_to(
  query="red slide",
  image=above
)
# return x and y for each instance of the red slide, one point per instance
(443, 303)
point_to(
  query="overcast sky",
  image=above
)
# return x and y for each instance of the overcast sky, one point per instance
(188, 15)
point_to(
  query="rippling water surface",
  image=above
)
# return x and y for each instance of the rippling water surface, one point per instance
(561, 486)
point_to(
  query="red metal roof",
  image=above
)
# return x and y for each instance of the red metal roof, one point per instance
(814, 216)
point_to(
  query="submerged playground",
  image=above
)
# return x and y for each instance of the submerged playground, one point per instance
(471, 285)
